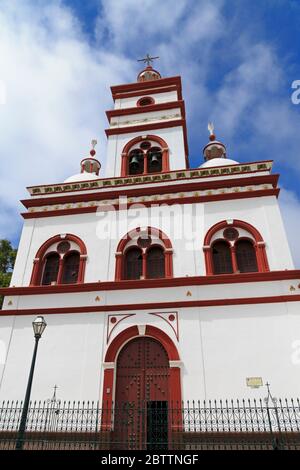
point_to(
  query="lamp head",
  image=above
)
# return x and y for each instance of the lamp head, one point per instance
(39, 324)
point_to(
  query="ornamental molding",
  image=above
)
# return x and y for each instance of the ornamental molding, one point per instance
(170, 176)
(125, 203)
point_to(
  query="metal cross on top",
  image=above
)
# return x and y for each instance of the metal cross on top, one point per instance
(147, 60)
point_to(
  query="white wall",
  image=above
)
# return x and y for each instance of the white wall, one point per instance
(184, 224)
(218, 346)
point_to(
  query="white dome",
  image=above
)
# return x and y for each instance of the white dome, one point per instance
(85, 176)
(218, 162)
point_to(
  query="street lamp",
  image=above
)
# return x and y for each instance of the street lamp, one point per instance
(39, 324)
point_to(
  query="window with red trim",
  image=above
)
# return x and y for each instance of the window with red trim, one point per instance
(145, 156)
(59, 261)
(144, 256)
(235, 247)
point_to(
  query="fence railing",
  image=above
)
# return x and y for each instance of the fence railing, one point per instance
(152, 425)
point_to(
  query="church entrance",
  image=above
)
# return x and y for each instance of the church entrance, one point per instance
(142, 396)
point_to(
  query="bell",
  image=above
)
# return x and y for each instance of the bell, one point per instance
(134, 163)
(154, 160)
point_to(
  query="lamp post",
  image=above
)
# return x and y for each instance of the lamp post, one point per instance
(39, 324)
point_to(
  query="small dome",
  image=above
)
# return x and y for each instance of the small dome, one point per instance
(218, 162)
(84, 176)
(148, 74)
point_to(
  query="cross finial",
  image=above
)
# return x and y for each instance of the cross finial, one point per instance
(147, 60)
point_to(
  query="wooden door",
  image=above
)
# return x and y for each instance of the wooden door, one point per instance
(142, 389)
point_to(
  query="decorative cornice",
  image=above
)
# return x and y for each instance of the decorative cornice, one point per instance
(83, 208)
(146, 109)
(221, 171)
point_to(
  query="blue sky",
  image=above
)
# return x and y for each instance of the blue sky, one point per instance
(237, 59)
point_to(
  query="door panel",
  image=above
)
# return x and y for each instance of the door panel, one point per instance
(142, 382)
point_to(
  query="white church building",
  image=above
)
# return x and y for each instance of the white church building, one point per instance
(158, 281)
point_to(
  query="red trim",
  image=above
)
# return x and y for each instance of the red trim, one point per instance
(148, 85)
(146, 109)
(152, 190)
(187, 200)
(119, 270)
(119, 341)
(125, 153)
(153, 283)
(151, 182)
(146, 127)
(107, 396)
(120, 96)
(155, 305)
(40, 255)
(132, 332)
(261, 257)
(111, 356)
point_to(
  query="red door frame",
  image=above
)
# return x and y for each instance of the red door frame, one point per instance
(110, 364)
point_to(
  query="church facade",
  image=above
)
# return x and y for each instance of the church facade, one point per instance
(158, 281)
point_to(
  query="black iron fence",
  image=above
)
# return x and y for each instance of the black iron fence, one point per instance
(153, 425)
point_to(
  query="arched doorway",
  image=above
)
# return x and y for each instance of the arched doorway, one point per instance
(142, 395)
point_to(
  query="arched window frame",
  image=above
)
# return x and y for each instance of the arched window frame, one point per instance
(39, 260)
(128, 147)
(255, 238)
(124, 267)
(123, 246)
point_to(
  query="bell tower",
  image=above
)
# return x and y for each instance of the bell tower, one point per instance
(147, 127)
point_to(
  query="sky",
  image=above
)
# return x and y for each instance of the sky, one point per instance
(58, 58)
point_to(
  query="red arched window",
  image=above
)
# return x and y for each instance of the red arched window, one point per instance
(133, 265)
(155, 262)
(221, 258)
(51, 267)
(234, 247)
(145, 155)
(144, 254)
(60, 260)
(70, 268)
(245, 256)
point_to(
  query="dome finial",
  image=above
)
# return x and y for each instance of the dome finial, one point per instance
(148, 73)
(213, 149)
(93, 151)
